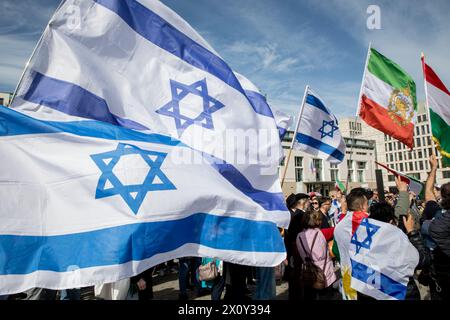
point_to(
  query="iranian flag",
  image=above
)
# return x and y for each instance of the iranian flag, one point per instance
(340, 185)
(438, 100)
(414, 185)
(388, 98)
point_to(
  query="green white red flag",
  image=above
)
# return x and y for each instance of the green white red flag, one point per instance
(438, 100)
(388, 98)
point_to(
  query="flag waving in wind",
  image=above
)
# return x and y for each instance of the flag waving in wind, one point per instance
(388, 98)
(317, 131)
(438, 100)
(102, 182)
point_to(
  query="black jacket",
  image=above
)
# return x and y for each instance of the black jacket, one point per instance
(440, 232)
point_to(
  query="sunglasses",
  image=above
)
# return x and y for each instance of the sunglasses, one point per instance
(314, 203)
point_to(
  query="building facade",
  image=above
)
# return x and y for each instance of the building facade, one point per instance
(5, 98)
(307, 173)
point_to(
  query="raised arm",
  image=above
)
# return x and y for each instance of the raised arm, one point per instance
(431, 180)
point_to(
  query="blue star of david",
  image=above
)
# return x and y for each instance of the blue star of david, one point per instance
(133, 195)
(331, 131)
(371, 229)
(179, 92)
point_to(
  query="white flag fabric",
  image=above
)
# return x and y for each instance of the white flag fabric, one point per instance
(283, 121)
(116, 159)
(103, 60)
(378, 255)
(318, 131)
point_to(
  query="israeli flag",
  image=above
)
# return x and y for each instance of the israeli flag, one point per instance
(382, 260)
(317, 130)
(116, 159)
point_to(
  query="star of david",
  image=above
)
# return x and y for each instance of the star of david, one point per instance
(179, 92)
(330, 132)
(371, 229)
(133, 195)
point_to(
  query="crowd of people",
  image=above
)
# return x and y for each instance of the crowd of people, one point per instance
(313, 269)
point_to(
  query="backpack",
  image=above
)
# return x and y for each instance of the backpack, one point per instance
(310, 274)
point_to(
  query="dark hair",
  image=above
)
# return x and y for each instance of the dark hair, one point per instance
(312, 219)
(322, 200)
(356, 200)
(382, 212)
(445, 195)
(369, 194)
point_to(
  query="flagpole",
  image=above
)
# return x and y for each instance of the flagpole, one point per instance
(352, 132)
(33, 53)
(295, 134)
(433, 152)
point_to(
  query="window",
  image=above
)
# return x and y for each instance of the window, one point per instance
(400, 156)
(1, 101)
(391, 178)
(429, 142)
(390, 146)
(446, 174)
(401, 166)
(350, 176)
(399, 145)
(421, 165)
(317, 163)
(424, 117)
(387, 157)
(417, 131)
(350, 164)
(419, 155)
(361, 176)
(423, 129)
(298, 174)
(298, 162)
(424, 143)
(391, 156)
(361, 165)
(417, 142)
(411, 167)
(334, 174)
(428, 129)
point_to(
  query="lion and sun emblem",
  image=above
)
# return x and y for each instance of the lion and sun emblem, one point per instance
(401, 107)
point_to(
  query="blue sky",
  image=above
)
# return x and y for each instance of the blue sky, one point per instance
(280, 45)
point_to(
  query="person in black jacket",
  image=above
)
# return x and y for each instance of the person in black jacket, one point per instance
(297, 204)
(439, 231)
(144, 284)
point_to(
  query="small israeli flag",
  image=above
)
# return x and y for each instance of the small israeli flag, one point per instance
(317, 130)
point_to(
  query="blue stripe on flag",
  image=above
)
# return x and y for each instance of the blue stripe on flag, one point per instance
(121, 244)
(161, 33)
(74, 100)
(269, 201)
(15, 123)
(314, 101)
(282, 132)
(319, 145)
(387, 285)
(259, 103)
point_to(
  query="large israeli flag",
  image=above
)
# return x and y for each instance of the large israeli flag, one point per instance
(317, 131)
(382, 260)
(116, 155)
